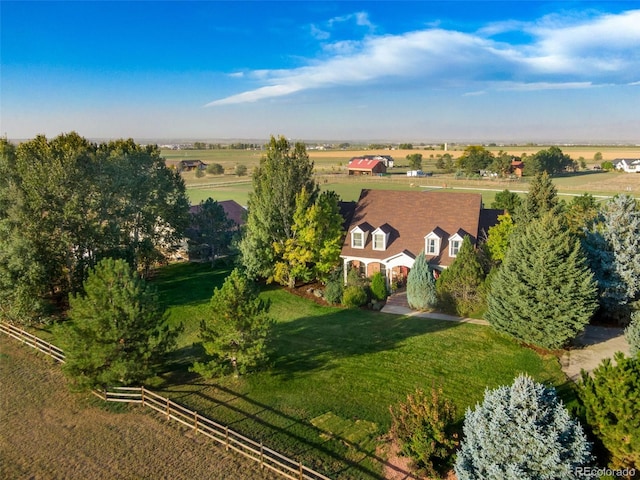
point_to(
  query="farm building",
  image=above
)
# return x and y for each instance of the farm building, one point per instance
(517, 168)
(191, 165)
(363, 166)
(389, 229)
(386, 159)
(629, 165)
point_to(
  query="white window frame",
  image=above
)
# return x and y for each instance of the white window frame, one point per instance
(362, 235)
(427, 239)
(455, 242)
(379, 234)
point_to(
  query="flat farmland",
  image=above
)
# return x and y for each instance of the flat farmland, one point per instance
(331, 171)
(48, 432)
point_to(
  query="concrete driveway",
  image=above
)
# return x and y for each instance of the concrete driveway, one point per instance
(594, 345)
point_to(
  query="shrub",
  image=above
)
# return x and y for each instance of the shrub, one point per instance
(378, 287)
(335, 287)
(241, 170)
(199, 173)
(421, 286)
(354, 296)
(611, 396)
(424, 427)
(632, 334)
(521, 432)
(215, 169)
(460, 287)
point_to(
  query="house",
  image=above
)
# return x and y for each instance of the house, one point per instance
(191, 165)
(234, 212)
(386, 159)
(389, 229)
(629, 165)
(517, 168)
(365, 166)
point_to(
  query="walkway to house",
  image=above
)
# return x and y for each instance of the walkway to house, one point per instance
(397, 304)
(589, 349)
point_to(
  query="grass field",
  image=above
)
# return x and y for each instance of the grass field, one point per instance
(50, 433)
(331, 174)
(335, 372)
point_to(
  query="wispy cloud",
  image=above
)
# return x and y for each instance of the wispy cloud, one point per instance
(564, 52)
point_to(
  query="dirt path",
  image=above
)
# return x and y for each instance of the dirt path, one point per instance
(47, 433)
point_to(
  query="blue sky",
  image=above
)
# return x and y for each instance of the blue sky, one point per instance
(381, 70)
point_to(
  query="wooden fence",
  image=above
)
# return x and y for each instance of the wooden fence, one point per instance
(266, 457)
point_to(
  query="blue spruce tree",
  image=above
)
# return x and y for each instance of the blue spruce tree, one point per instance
(521, 432)
(421, 286)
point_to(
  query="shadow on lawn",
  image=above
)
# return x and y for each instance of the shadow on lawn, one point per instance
(310, 343)
(303, 444)
(304, 345)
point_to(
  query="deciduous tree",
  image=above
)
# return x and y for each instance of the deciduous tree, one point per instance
(507, 201)
(415, 161)
(475, 158)
(284, 171)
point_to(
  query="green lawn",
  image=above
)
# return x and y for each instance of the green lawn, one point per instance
(334, 372)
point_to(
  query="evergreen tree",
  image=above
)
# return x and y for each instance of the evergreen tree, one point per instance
(118, 331)
(209, 235)
(581, 213)
(543, 293)
(507, 201)
(378, 287)
(236, 333)
(611, 397)
(613, 246)
(283, 172)
(521, 432)
(421, 285)
(541, 198)
(460, 287)
(632, 334)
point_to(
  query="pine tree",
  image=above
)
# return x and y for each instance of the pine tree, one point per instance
(543, 293)
(209, 235)
(421, 285)
(118, 330)
(541, 198)
(521, 432)
(611, 397)
(460, 287)
(236, 333)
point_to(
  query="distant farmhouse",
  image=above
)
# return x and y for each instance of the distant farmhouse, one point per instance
(389, 229)
(517, 168)
(629, 165)
(191, 165)
(366, 166)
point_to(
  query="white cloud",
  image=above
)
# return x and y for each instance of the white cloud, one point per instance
(565, 52)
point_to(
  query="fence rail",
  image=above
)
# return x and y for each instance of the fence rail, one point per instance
(232, 440)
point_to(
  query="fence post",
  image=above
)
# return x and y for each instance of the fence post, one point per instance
(168, 411)
(104, 392)
(195, 421)
(261, 456)
(301, 475)
(142, 395)
(226, 438)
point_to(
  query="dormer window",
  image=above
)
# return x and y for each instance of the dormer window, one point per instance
(432, 244)
(358, 238)
(380, 238)
(455, 242)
